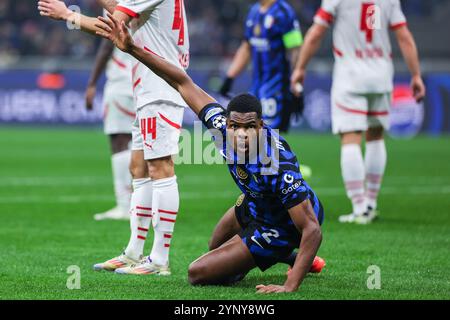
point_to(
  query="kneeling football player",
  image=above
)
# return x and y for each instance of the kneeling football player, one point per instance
(278, 211)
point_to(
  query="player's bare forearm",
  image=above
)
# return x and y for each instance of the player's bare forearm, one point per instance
(240, 60)
(409, 50)
(306, 222)
(108, 5)
(117, 32)
(313, 40)
(58, 10)
(104, 53)
(192, 94)
(310, 243)
(293, 55)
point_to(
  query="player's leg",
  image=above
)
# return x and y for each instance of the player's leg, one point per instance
(349, 120)
(118, 119)
(120, 161)
(140, 209)
(229, 225)
(375, 161)
(160, 124)
(376, 155)
(222, 265)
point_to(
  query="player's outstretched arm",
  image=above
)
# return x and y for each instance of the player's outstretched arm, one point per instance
(58, 10)
(239, 63)
(312, 42)
(306, 223)
(108, 5)
(410, 54)
(192, 94)
(104, 53)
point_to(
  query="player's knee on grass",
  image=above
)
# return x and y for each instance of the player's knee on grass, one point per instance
(161, 168)
(197, 273)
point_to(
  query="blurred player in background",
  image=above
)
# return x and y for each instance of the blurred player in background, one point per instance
(362, 87)
(118, 116)
(272, 40)
(159, 26)
(277, 212)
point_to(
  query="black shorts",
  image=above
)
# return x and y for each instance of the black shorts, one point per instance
(267, 244)
(287, 106)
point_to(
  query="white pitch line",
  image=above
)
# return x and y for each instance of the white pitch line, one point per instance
(53, 181)
(401, 181)
(219, 194)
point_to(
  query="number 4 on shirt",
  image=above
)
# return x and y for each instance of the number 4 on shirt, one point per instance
(370, 19)
(178, 21)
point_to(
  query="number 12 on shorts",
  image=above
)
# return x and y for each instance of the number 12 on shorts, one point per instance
(148, 127)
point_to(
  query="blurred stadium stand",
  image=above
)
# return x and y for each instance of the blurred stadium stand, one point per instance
(25, 37)
(31, 44)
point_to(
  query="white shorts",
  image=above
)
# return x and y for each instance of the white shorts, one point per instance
(118, 114)
(156, 129)
(359, 112)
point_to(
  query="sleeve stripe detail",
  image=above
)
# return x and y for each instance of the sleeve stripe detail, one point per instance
(328, 17)
(127, 11)
(398, 25)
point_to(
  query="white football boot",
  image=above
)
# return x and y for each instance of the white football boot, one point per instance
(118, 262)
(115, 213)
(367, 217)
(146, 266)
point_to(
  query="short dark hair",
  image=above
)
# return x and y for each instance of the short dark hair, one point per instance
(244, 103)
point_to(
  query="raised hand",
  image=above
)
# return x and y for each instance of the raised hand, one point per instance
(54, 9)
(116, 32)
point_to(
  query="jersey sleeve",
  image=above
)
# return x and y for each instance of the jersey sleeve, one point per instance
(292, 35)
(326, 13)
(249, 24)
(213, 117)
(290, 188)
(397, 18)
(134, 8)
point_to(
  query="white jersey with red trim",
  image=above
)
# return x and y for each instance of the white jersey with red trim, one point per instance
(361, 45)
(160, 27)
(118, 73)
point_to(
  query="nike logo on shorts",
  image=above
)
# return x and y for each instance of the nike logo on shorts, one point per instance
(255, 241)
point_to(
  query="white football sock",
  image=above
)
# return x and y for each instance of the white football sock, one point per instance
(375, 160)
(353, 173)
(140, 217)
(122, 179)
(166, 203)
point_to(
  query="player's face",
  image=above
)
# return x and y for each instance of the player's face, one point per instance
(245, 130)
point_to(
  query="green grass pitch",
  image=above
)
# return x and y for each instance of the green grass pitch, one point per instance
(52, 180)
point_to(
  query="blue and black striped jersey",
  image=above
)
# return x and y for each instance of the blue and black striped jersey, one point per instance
(271, 187)
(270, 34)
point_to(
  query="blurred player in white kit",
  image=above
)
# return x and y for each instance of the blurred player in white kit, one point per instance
(160, 27)
(362, 87)
(118, 117)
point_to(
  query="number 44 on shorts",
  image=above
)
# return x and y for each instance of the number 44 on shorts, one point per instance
(148, 127)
